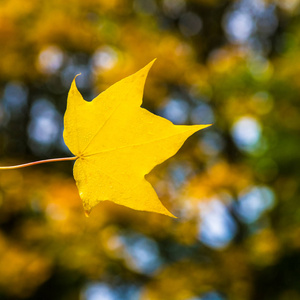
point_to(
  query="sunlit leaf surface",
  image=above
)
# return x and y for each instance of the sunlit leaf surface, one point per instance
(117, 143)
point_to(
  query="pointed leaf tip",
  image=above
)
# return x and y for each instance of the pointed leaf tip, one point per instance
(147, 67)
(87, 213)
(152, 62)
(74, 79)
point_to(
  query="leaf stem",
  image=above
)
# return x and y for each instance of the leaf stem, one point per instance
(38, 162)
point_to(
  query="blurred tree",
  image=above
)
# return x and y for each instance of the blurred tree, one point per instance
(234, 187)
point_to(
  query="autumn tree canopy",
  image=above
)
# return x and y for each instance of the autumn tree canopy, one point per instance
(234, 186)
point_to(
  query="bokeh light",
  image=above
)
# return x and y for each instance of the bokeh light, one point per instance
(217, 228)
(246, 133)
(254, 202)
(45, 126)
(234, 186)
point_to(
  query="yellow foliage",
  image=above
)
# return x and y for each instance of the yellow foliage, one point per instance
(117, 143)
(220, 178)
(264, 248)
(171, 285)
(20, 271)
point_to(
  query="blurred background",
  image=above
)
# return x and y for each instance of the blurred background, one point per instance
(233, 186)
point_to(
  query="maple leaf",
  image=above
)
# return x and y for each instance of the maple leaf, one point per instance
(117, 143)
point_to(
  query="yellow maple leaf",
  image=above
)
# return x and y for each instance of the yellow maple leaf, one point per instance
(117, 143)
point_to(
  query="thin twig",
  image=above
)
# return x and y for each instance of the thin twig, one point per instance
(38, 162)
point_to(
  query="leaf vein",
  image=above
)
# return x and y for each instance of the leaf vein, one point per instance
(135, 145)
